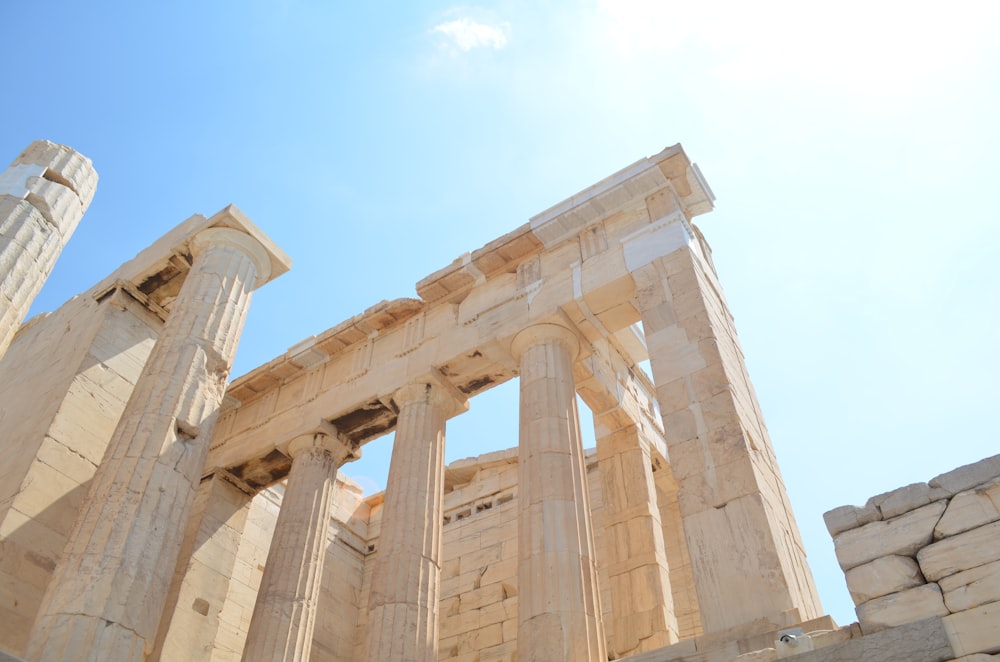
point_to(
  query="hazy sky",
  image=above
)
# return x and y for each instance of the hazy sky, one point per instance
(853, 147)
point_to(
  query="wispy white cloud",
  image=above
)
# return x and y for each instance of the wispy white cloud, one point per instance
(464, 34)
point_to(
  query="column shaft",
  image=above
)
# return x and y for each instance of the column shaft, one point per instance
(559, 616)
(43, 195)
(406, 580)
(108, 591)
(747, 555)
(641, 601)
(284, 616)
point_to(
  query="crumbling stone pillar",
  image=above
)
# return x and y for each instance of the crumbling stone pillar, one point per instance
(108, 591)
(284, 616)
(43, 195)
(559, 615)
(637, 567)
(747, 556)
(406, 580)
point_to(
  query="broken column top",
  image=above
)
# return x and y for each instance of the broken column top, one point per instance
(56, 163)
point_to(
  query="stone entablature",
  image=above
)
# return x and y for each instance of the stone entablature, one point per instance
(468, 313)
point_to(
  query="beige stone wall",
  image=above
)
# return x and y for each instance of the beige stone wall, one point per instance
(681, 572)
(478, 614)
(928, 550)
(63, 385)
(337, 635)
(248, 569)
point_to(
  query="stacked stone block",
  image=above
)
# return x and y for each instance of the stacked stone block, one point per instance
(928, 550)
(744, 544)
(248, 569)
(479, 597)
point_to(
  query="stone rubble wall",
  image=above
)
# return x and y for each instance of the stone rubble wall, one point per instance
(927, 550)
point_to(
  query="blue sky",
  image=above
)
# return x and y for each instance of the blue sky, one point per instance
(853, 147)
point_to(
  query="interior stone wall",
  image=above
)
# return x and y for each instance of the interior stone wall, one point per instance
(64, 383)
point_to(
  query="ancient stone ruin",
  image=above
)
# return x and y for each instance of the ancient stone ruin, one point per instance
(151, 510)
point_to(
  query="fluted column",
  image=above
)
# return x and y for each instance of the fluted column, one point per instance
(406, 581)
(559, 616)
(43, 195)
(105, 599)
(284, 616)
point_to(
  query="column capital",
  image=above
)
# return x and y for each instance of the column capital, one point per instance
(422, 392)
(239, 240)
(328, 439)
(432, 391)
(537, 333)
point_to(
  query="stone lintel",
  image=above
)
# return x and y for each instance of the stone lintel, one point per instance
(619, 395)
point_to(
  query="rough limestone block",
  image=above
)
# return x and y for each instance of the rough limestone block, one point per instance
(903, 535)
(972, 588)
(967, 477)
(845, 518)
(923, 641)
(977, 657)
(975, 631)
(899, 608)
(962, 552)
(970, 509)
(763, 655)
(835, 637)
(904, 499)
(889, 574)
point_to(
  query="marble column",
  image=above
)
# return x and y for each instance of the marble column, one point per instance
(406, 581)
(284, 616)
(559, 615)
(638, 572)
(43, 195)
(108, 591)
